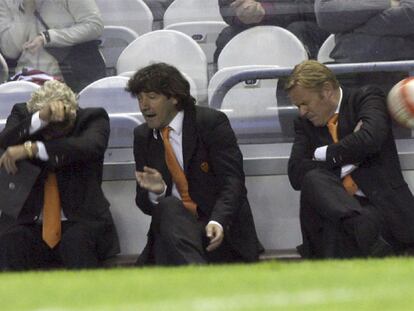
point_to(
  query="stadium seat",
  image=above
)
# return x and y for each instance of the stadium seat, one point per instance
(326, 49)
(204, 33)
(11, 93)
(134, 14)
(171, 47)
(193, 87)
(110, 94)
(254, 107)
(114, 40)
(181, 11)
(4, 69)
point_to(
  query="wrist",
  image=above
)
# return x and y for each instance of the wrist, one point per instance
(28, 147)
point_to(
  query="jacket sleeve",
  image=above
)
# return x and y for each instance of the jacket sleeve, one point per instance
(338, 16)
(398, 21)
(15, 27)
(17, 127)
(301, 156)
(140, 154)
(87, 144)
(370, 106)
(88, 24)
(227, 164)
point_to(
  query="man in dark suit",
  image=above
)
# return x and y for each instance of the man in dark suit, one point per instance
(197, 196)
(65, 220)
(354, 200)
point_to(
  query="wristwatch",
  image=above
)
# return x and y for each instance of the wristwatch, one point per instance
(28, 147)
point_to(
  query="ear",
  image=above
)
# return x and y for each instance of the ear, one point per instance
(327, 89)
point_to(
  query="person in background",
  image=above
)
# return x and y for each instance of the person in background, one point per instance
(295, 16)
(354, 200)
(190, 178)
(66, 219)
(25, 39)
(158, 8)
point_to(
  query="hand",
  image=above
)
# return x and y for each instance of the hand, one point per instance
(248, 11)
(54, 111)
(395, 3)
(29, 6)
(11, 156)
(216, 235)
(34, 45)
(150, 179)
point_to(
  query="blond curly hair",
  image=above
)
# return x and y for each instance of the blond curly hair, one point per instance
(54, 90)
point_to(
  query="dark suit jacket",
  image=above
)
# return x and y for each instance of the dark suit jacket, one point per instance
(372, 148)
(219, 192)
(77, 160)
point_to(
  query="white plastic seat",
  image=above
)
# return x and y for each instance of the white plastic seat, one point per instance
(114, 40)
(181, 11)
(11, 93)
(252, 106)
(171, 47)
(134, 14)
(193, 87)
(204, 33)
(326, 49)
(110, 94)
(4, 69)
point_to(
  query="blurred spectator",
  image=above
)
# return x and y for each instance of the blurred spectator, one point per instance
(369, 31)
(296, 16)
(24, 38)
(158, 8)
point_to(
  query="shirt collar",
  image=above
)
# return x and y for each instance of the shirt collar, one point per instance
(340, 100)
(176, 124)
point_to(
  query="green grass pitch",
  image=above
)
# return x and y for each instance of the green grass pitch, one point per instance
(350, 285)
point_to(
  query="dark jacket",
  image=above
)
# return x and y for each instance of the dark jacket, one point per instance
(77, 160)
(213, 165)
(372, 148)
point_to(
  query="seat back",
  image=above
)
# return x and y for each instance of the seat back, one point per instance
(114, 40)
(254, 106)
(134, 14)
(11, 93)
(205, 33)
(171, 47)
(326, 49)
(181, 11)
(4, 69)
(110, 94)
(263, 45)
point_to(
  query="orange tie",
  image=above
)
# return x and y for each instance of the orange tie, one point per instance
(349, 184)
(177, 172)
(51, 231)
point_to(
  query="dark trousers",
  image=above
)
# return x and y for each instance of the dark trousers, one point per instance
(179, 237)
(333, 223)
(22, 248)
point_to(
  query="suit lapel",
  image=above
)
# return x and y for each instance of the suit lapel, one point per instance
(189, 136)
(345, 116)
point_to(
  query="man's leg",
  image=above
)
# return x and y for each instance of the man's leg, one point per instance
(178, 234)
(77, 248)
(22, 248)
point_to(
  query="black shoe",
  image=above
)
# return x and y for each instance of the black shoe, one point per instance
(381, 248)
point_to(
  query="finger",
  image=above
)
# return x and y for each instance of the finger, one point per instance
(209, 232)
(213, 245)
(150, 170)
(236, 3)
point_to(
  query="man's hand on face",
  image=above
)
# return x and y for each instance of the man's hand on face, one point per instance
(53, 112)
(216, 235)
(248, 11)
(151, 180)
(12, 155)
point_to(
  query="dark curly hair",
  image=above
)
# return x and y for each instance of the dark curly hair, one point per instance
(164, 79)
